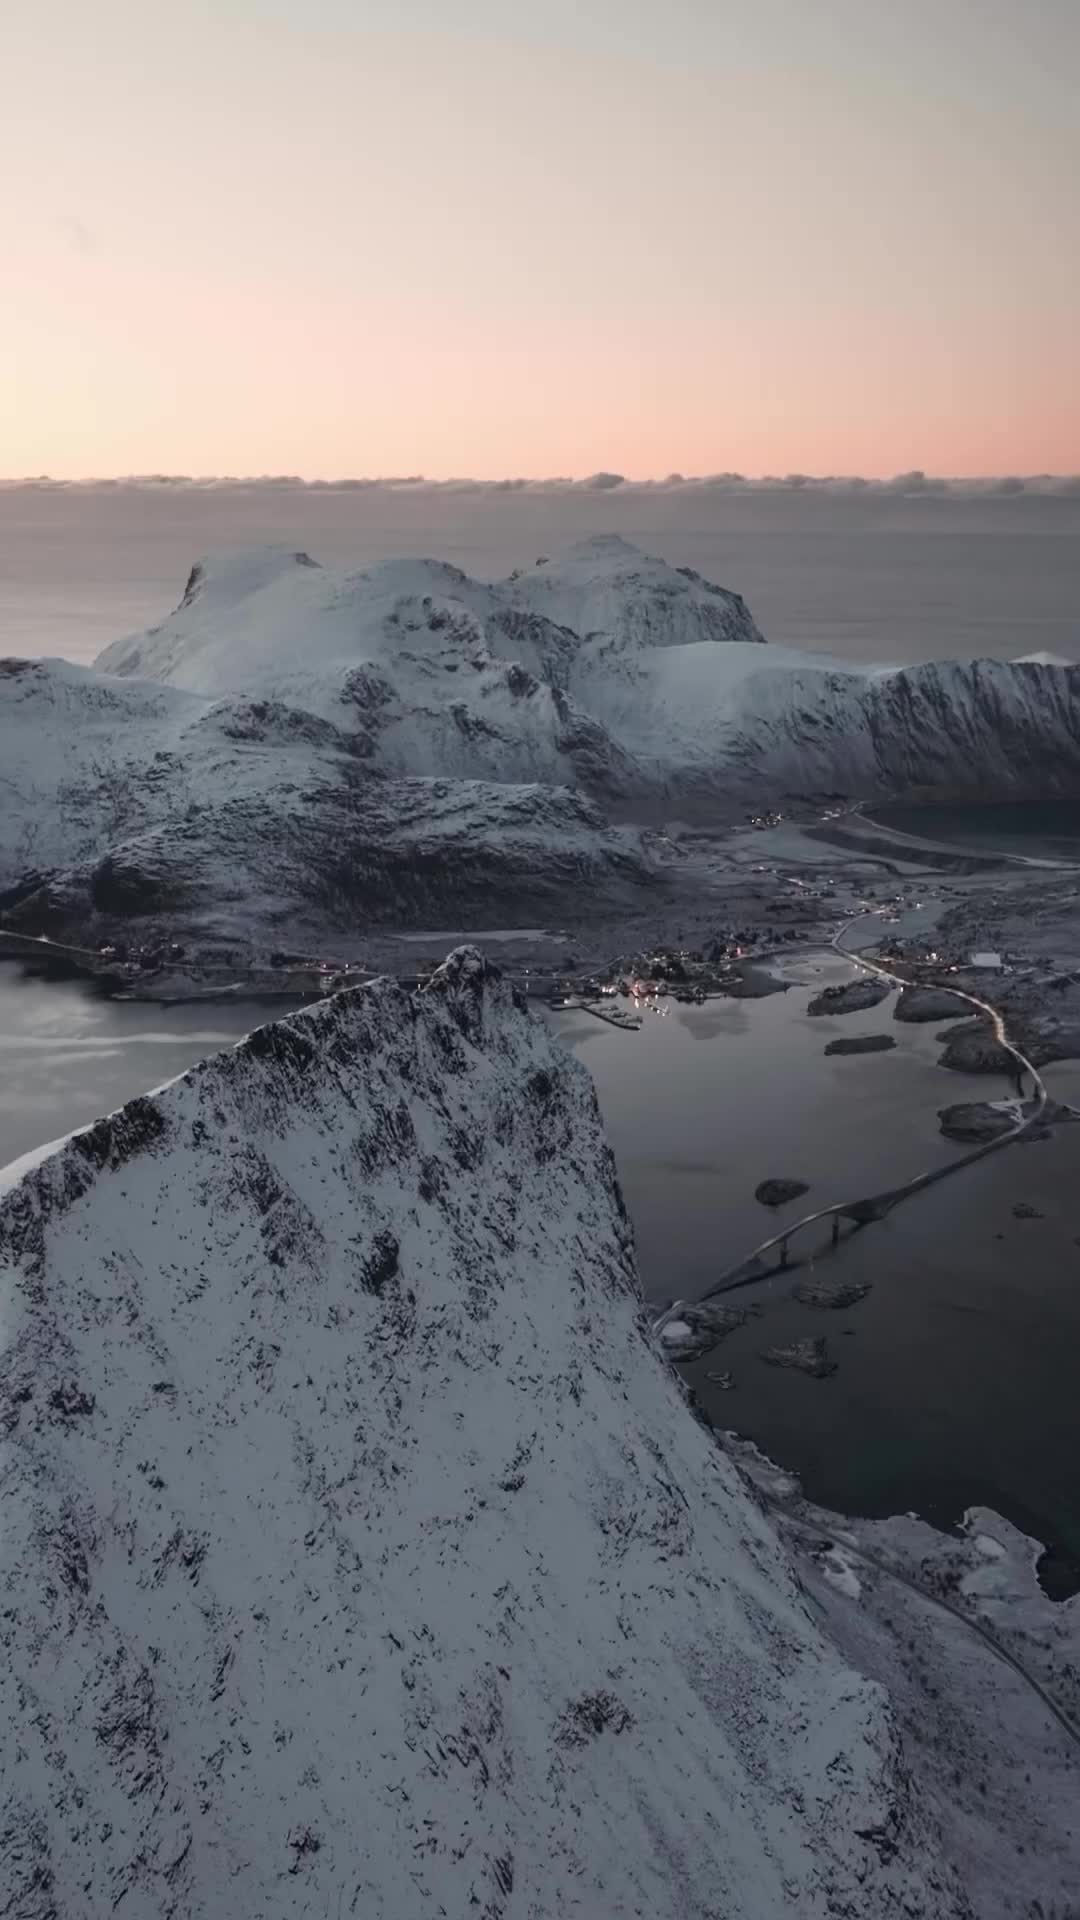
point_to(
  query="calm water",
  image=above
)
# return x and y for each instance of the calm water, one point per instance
(68, 1056)
(1047, 829)
(873, 576)
(957, 1373)
(957, 1378)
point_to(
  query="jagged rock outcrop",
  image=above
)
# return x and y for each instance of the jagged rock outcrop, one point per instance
(359, 1551)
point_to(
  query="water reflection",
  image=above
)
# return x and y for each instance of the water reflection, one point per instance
(68, 1055)
(721, 1016)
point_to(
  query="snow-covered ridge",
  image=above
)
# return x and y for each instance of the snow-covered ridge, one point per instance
(361, 1555)
(603, 670)
(296, 753)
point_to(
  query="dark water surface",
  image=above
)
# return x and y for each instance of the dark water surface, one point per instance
(67, 1055)
(1044, 829)
(959, 1373)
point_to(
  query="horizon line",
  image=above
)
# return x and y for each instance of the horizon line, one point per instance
(914, 482)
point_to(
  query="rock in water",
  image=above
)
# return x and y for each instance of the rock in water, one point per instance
(831, 1293)
(977, 1051)
(864, 1043)
(777, 1193)
(976, 1025)
(926, 1003)
(806, 1356)
(853, 997)
(978, 1120)
(701, 1327)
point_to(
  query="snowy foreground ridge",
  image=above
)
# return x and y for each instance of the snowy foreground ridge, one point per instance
(360, 1554)
(405, 743)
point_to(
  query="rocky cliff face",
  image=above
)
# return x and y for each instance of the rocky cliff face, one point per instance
(360, 1555)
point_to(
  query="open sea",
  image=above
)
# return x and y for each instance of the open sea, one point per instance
(870, 575)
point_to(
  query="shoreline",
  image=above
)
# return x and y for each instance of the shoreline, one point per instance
(726, 888)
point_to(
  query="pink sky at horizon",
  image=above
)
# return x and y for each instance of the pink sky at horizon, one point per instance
(451, 237)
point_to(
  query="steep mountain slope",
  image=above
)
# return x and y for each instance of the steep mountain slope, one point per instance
(606, 669)
(703, 725)
(361, 1556)
(426, 670)
(132, 807)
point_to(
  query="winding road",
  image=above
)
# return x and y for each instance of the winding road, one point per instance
(843, 1543)
(752, 1267)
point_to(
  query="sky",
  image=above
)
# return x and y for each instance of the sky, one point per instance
(495, 237)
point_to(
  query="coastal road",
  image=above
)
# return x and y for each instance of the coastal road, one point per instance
(842, 1542)
(752, 1267)
(30, 943)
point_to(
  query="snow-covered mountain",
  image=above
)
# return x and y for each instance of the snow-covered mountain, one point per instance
(361, 1556)
(296, 751)
(428, 671)
(127, 804)
(608, 670)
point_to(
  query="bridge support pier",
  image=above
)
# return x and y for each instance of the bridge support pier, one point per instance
(835, 1228)
(783, 1253)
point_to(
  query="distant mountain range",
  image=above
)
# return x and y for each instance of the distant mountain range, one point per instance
(297, 749)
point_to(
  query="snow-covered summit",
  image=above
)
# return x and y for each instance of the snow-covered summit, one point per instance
(607, 589)
(251, 619)
(606, 669)
(361, 1555)
(286, 717)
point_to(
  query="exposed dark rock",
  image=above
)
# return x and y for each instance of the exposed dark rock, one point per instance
(830, 1293)
(68, 1400)
(129, 882)
(863, 1043)
(977, 1051)
(977, 1025)
(806, 1356)
(976, 1121)
(916, 1004)
(595, 1713)
(706, 1324)
(853, 997)
(777, 1193)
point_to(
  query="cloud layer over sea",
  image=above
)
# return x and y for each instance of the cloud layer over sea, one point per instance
(914, 484)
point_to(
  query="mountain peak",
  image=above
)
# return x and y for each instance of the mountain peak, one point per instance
(234, 573)
(355, 1538)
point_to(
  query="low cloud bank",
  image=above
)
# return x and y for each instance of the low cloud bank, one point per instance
(915, 484)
